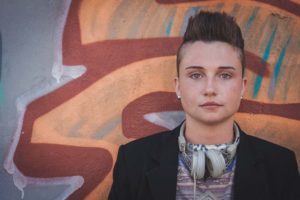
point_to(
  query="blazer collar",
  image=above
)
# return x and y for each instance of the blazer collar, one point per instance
(250, 173)
(162, 177)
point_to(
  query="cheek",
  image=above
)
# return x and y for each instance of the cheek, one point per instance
(234, 94)
(189, 91)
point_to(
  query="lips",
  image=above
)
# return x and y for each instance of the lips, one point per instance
(210, 104)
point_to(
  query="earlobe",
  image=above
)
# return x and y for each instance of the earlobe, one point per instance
(177, 88)
(244, 87)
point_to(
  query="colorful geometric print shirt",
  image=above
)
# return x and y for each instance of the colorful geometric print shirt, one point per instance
(208, 189)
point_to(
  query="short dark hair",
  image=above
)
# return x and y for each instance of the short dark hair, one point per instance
(213, 26)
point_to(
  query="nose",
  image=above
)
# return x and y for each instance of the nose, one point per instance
(210, 88)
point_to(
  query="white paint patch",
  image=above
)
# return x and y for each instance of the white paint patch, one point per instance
(167, 119)
(74, 182)
(58, 69)
(62, 75)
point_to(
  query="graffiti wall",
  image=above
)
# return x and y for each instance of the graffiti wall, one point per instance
(109, 78)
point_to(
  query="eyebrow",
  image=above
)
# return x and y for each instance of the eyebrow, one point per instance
(200, 67)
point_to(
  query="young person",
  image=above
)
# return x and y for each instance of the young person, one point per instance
(207, 156)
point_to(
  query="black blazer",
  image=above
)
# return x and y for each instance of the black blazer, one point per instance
(147, 169)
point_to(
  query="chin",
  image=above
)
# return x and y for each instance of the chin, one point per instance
(213, 120)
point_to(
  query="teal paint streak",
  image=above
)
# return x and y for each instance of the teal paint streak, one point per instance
(259, 78)
(169, 27)
(170, 24)
(277, 69)
(190, 12)
(251, 19)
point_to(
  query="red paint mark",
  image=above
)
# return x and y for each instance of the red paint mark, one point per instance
(46, 161)
(257, 64)
(290, 110)
(287, 5)
(133, 113)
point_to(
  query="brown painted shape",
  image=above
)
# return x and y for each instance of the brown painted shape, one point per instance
(133, 114)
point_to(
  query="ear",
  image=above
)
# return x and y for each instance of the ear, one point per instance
(177, 86)
(244, 85)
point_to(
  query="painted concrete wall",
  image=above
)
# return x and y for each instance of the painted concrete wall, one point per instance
(78, 78)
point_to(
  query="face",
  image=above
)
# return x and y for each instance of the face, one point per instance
(210, 81)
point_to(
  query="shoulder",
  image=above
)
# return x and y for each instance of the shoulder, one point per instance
(139, 156)
(145, 144)
(267, 145)
(270, 163)
(269, 150)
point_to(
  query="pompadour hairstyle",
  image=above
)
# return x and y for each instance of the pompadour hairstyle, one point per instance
(213, 26)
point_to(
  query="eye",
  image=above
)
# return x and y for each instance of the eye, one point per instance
(196, 76)
(225, 76)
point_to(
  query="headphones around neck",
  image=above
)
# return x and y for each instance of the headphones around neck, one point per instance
(214, 160)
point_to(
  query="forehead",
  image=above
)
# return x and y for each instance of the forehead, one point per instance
(209, 55)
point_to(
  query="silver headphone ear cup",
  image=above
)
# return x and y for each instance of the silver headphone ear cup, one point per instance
(198, 164)
(215, 163)
(231, 150)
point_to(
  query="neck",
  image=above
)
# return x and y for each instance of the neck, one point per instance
(201, 133)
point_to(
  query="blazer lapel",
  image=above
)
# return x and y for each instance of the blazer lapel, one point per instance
(249, 180)
(162, 177)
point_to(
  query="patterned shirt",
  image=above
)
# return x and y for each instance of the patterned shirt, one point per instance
(208, 189)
